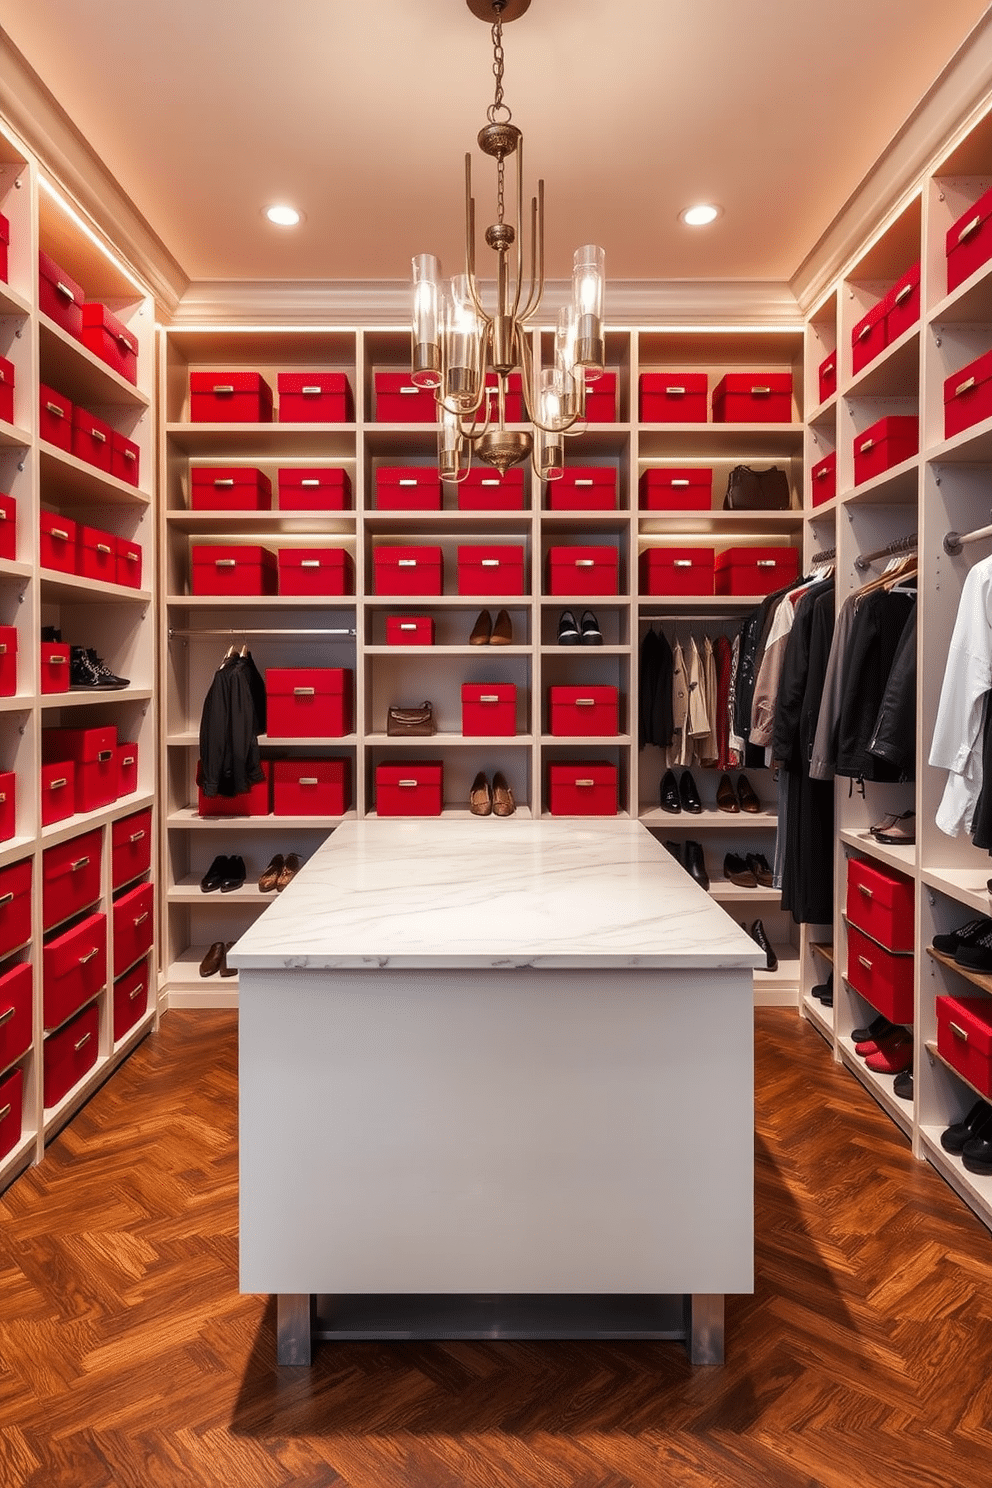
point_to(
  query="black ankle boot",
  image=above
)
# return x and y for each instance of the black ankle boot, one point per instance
(695, 864)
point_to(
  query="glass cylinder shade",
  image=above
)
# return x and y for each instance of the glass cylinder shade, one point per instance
(449, 447)
(588, 281)
(426, 351)
(462, 343)
(550, 448)
(573, 378)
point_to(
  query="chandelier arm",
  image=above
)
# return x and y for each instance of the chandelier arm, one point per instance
(518, 286)
(470, 239)
(533, 406)
(537, 240)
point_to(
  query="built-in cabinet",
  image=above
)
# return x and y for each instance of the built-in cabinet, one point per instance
(351, 631)
(73, 999)
(946, 487)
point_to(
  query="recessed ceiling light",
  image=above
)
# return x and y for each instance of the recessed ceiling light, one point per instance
(283, 216)
(700, 215)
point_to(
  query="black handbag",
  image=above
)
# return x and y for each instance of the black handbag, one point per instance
(757, 490)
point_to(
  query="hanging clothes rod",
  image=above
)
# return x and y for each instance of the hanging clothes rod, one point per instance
(898, 545)
(823, 555)
(955, 541)
(672, 617)
(241, 630)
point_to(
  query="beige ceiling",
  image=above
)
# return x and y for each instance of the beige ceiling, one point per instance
(360, 112)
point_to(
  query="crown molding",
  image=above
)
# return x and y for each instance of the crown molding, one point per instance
(65, 155)
(957, 99)
(387, 303)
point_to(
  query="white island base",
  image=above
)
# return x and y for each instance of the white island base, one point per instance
(496, 1081)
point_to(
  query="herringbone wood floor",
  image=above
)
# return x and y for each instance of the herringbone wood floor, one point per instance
(127, 1357)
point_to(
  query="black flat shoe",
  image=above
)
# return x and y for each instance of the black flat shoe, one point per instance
(695, 864)
(215, 875)
(878, 1028)
(688, 794)
(568, 630)
(589, 631)
(669, 792)
(235, 875)
(964, 935)
(956, 1137)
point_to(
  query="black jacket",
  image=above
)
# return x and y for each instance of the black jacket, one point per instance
(230, 761)
(894, 735)
(871, 650)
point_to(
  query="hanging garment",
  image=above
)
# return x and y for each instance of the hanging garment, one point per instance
(894, 735)
(723, 664)
(698, 723)
(230, 762)
(655, 691)
(824, 757)
(878, 625)
(769, 672)
(708, 748)
(957, 735)
(680, 706)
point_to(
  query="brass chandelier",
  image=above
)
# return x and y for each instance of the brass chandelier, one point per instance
(467, 354)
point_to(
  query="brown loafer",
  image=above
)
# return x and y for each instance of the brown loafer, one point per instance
(212, 961)
(745, 794)
(481, 630)
(480, 797)
(726, 798)
(269, 877)
(290, 868)
(225, 970)
(502, 630)
(736, 871)
(503, 802)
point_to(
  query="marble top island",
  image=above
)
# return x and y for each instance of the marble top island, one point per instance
(463, 894)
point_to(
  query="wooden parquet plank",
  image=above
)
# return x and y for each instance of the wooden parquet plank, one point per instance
(128, 1358)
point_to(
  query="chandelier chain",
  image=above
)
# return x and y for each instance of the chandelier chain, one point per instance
(498, 106)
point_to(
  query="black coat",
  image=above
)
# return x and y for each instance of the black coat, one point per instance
(894, 736)
(808, 869)
(871, 650)
(655, 691)
(230, 762)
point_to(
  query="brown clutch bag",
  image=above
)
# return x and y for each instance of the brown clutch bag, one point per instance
(411, 723)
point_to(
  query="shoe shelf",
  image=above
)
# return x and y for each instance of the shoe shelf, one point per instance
(78, 697)
(188, 989)
(188, 817)
(878, 1085)
(489, 653)
(969, 886)
(821, 1017)
(935, 1057)
(901, 858)
(822, 949)
(974, 1188)
(81, 482)
(735, 821)
(187, 890)
(725, 891)
(980, 979)
(771, 986)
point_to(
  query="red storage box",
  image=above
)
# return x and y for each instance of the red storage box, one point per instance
(229, 488)
(676, 571)
(15, 906)
(823, 479)
(826, 376)
(410, 788)
(407, 488)
(311, 787)
(8, 527)
(8, 804)
(125, 458)
(74, 968)
(676, 488)
(257, 801)
(398, 401)
(754, 570)
(486, 568)
(409, 630)
(968, 396)
(902, 305)
(8, 661)
(92, 439)
(583, 571)
(316, 571)
(402, 570)
(6, 390)
(884, 445)
(582, 712)
(54, 418)
(58, 791)
(70, 878)
(4, 248)
(753, 398)
(58, 542)
(868, 337)
(601, 399)
(964, 1038)
(969, 242)
(238, 570)
(582, 788)
(70, 1054)
(484, 489)
(11, 1110)
(314, 398)
(513, 409)
(229, 398)
(129, 563)
(130, 847)
(673, 397)
(59, 296)
(134, 925)
(584, 488)
(131, 998)
(882, 977)
(489, 709)
(110, 340)
(314, 488)
(127, 769)
(16, 1024)
(881, 904)
(93, 751)
(309, 702)
(96, 554)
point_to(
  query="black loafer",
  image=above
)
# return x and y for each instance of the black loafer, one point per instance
(977, 1153)
(589, 631)
(902, 1085)
(215, 875)
(669, 792)
(963, 935)
(695, 864)
(688, 794)
(736, 871)
(568, 630)
(235, 875)
(878, 1028)
(957, 1136)
(824, 991)
(976, 955)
